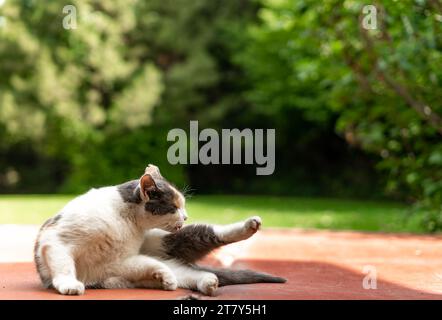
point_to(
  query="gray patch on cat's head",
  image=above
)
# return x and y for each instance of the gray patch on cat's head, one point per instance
(162, 199)
(130, 192)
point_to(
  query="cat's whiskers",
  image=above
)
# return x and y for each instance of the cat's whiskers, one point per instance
(187, 191)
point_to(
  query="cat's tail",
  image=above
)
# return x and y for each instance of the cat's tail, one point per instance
(228, 276)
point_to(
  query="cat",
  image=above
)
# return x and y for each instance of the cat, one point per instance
(132, 235)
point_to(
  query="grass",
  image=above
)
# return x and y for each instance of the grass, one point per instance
(296, 212)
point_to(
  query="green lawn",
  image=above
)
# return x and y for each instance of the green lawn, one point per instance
(275, 211)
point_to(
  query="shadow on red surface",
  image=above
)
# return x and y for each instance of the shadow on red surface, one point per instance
(316, 280)
(306, 280)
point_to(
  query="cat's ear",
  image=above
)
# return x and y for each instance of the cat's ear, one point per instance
(147, 184)
(153, 170)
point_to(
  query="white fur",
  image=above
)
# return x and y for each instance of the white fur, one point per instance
(95, 240)
(189, 278)
(238, 231)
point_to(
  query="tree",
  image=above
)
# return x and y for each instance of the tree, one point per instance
(64, 90)
(381, 85)
(100, 82)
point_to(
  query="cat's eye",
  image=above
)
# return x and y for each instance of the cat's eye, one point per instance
(154, 195)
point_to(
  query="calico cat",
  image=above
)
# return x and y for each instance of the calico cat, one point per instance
(132, 235)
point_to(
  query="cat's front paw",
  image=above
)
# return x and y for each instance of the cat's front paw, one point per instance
(208, 284)
(166, 278)
(68, 286)
(252, 224)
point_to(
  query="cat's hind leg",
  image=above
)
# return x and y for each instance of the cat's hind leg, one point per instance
(189, 277)
(61, 265)
(147, 272)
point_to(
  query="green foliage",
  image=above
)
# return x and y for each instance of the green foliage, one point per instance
(99, 99)
(382, 85)
(75, 83)
(66, 91)
(118, 158)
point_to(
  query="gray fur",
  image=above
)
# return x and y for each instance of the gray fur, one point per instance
(191, 243)
(38, 266)
(161, 200)
(194, 242)
(228, 277)
(130, 192)
(98, 285)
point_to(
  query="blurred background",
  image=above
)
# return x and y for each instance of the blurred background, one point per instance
(357, 111)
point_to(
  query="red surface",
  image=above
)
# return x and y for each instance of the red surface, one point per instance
(317, 264)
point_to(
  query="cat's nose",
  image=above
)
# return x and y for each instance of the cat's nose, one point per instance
(183, 214)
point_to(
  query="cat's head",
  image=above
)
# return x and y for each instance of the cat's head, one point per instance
(160, 203)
